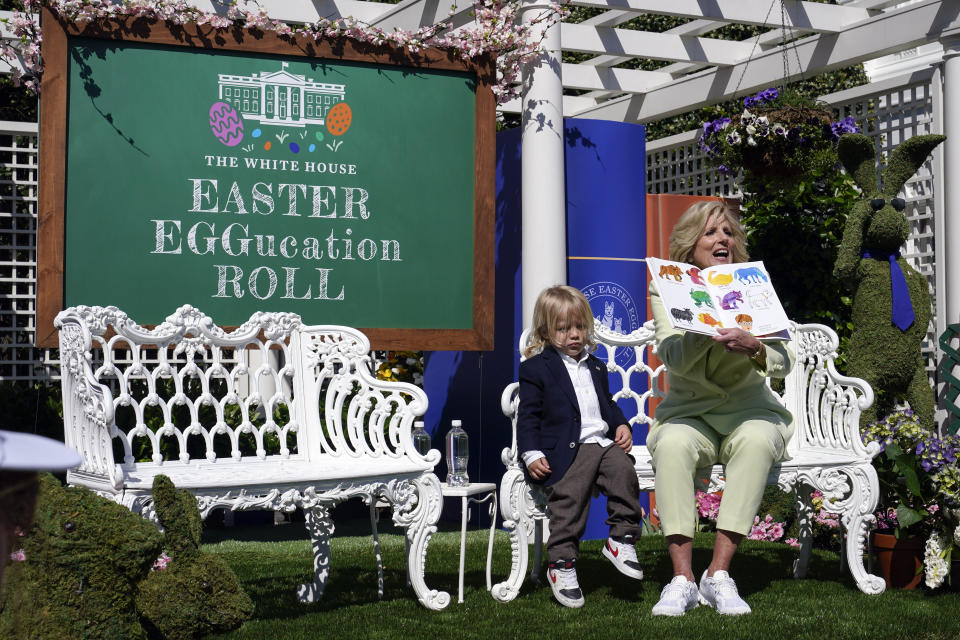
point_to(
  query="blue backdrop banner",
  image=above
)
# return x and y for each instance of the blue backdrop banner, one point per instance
(606, 240)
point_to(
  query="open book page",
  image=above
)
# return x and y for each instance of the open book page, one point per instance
(732, 295)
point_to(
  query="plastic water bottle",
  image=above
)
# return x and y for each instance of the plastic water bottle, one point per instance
(457, 454)
(421, 439)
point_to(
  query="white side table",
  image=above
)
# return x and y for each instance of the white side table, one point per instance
(488, 491)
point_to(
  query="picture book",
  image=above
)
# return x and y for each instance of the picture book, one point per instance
(723, 296)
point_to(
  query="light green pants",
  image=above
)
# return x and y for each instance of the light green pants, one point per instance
(683, 452)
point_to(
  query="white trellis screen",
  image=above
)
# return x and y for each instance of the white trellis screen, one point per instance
(889, 112)
(19, 360)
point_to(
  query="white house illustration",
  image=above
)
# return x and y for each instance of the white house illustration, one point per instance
(280, 97)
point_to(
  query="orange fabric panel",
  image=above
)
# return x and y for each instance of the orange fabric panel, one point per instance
(663, 211)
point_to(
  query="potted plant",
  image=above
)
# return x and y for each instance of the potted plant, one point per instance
(777, 138)
(920, 497)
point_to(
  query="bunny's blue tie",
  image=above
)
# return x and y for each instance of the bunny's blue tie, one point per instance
(902, 310)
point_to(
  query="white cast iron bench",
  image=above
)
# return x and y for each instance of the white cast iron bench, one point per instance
(274, 415)
(826, 450)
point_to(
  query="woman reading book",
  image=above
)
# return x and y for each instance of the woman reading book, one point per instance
(717, 409)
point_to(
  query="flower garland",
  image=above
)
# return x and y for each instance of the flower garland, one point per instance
(497, 31)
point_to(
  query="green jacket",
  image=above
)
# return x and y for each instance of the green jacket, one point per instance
(705, 381)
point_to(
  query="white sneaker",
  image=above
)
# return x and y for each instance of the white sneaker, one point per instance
(720, 592)
(562, 576)
(623, 555)
(677, 597)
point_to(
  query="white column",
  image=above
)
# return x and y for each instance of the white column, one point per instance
(948, 241)
(544, 242)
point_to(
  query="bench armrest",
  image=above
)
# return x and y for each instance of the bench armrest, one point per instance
(826, 404)
(509, 404)
(88, 412)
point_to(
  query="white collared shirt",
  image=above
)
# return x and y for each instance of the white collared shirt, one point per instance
(592, 426)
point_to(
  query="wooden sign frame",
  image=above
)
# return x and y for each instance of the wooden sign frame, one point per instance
(53, 153)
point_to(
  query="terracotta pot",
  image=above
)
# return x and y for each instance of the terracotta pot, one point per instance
(900, 561)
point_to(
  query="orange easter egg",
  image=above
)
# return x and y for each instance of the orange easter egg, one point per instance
(266, 145)
(339, 118)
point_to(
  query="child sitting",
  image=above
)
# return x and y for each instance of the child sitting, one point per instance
(565, 423)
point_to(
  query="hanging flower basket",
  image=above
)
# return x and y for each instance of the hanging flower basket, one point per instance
(776, 139)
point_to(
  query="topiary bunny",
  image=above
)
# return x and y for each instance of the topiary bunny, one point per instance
(196, 593)
(891, 300)
(84, 556)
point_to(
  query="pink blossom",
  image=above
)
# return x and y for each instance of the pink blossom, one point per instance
(766, 530)
(831, 520)
(18, 556)
(161, 562)
(793, 542)
(708, 504)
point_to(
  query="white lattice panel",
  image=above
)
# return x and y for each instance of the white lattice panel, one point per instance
(677, 165)
(19, 360)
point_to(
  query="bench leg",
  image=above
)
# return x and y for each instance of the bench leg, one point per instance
(416, 507)
(804, 529)
(320, 527)
(376, 546)
(523, 514)
(858, 521)
(855, 492)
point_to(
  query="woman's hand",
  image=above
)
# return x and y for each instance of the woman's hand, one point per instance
(738, 341)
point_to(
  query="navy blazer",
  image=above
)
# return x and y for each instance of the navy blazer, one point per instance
(548, 419)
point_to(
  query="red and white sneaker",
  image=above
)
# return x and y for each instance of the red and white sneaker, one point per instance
(562, 576)
(623, 555)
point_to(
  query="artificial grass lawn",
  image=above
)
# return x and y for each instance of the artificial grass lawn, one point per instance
(827, 604)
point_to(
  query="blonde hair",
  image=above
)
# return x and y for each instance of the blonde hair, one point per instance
(689, 228)
(554, 306)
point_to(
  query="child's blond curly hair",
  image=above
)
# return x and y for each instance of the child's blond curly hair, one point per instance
(556, 305)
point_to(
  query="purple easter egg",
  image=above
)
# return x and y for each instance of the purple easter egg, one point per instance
(226, 124)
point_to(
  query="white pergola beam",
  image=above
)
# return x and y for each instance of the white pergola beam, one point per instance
(413, 14)
(885, 33)
(812, 16)
(306, 11)
(659, 46)
(582, 76)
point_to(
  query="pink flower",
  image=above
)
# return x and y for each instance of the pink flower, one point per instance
(793, 542)
(161, 562)
(18, 556)
(708, 505)
(766, 530)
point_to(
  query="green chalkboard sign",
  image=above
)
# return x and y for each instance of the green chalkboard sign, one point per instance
(346, 183)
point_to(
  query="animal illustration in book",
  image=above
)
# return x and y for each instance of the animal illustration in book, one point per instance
(749, 275)
(744, 321)
(720, 278)
(759, 300)
(671, 271)
(607, 319)
(709, 320)
(701, 298)
(683, 315)
(695, 277)
(731, 300)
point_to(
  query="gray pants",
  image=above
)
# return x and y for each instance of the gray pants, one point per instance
(608, 468)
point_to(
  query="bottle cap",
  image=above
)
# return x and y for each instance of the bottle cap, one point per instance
(454, 423)
(418, 423)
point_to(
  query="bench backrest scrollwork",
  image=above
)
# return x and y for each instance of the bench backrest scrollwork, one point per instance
(188, 392)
